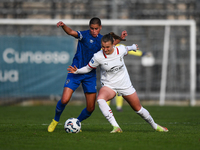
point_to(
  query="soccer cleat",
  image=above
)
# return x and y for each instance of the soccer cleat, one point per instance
(52, 126)
(161, 129)
(116, 130)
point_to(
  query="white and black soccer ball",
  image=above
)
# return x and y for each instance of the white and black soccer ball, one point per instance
(72, 125)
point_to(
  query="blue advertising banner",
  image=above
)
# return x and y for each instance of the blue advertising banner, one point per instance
(34, 66)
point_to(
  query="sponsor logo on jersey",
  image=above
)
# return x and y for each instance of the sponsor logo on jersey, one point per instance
(115, 68)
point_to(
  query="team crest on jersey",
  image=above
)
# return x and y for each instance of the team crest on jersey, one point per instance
(91, 41)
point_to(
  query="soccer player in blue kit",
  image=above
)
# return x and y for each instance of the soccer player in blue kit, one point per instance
(89, 42)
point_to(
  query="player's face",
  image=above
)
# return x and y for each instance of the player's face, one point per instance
(107, 47)
(95, 29)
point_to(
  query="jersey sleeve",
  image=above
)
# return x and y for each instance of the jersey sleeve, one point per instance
(123, 49)
(93, 62)
(80, 35)
(132, 47)
(83, 70)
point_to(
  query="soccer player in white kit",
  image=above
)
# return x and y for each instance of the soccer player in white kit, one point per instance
(115, 79)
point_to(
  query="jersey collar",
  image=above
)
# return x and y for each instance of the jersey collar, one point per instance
(106, 55)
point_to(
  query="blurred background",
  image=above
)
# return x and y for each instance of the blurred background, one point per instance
(34, 57)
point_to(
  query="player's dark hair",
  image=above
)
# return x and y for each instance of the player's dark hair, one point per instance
(95, 20)
(106, 38)
(116, 36)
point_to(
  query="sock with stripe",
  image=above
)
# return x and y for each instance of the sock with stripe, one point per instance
(107, 112)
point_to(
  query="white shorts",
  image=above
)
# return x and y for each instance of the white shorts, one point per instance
(123, 92)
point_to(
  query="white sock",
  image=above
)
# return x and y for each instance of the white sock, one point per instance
(147, 117)
(107, 112)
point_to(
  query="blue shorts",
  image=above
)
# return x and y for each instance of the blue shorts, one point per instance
(88, 82)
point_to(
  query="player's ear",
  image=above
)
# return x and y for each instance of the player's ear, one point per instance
(100, 27)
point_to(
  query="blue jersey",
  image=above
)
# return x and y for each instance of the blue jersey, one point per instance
(87, 46)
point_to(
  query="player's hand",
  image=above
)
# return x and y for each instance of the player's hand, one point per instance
(137, 46)
(60, 23)
(135, 49)
(124, 34)
(72, 69)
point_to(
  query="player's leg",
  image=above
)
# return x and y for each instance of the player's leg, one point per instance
(66, 96)
(119, 102)
(71, 84)
(89, 88)
(104, 95)
(90, 102)
(134, 102)
(67, 93)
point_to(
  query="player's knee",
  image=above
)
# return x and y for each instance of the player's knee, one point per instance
(90, 109)
(64, 101)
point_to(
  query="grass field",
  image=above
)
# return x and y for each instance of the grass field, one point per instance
(26, 128)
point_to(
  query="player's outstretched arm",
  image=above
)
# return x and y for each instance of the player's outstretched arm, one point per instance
(138, 52)
(82, 70)
(133, 47)
(67, 29)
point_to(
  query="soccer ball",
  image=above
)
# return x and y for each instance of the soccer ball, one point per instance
(72, 125)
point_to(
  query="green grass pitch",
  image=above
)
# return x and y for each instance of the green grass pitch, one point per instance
(26, 128)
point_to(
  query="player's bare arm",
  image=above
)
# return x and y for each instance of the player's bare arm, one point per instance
(67, 29)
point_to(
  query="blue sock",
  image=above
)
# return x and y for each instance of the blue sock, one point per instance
(84, 115)
(59, 109)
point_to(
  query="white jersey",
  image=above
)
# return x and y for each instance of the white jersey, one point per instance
(114, 73)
